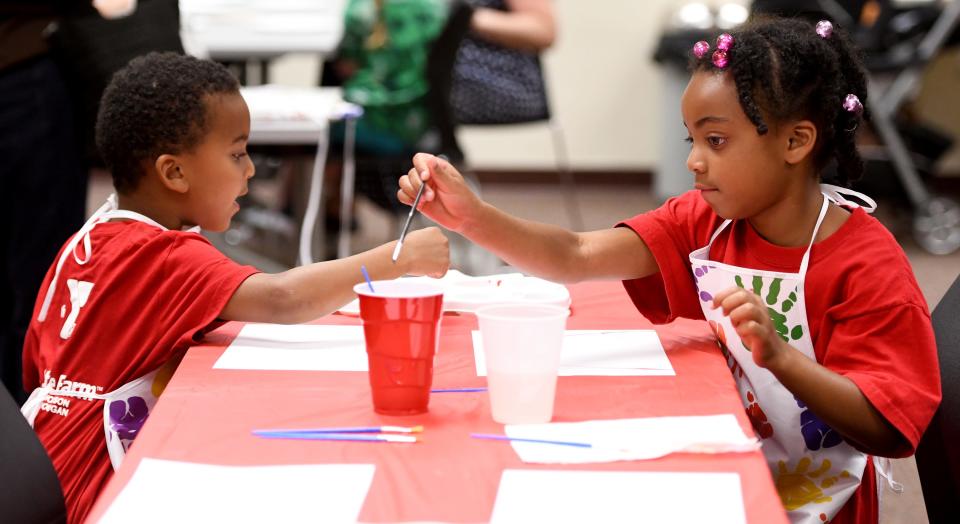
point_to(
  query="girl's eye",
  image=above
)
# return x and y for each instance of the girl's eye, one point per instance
(238, 156)
(688, 140)
(716, 141)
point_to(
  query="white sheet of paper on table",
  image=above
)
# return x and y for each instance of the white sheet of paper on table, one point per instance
(636, 352)
(629, 439)
(172, 491)
(465, 294)
(300, 347)
(618, 496)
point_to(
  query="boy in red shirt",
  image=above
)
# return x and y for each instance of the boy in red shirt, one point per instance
(133, 289)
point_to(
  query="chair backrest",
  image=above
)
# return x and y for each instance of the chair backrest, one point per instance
(31, 491)
(439, 74)
(938, 454)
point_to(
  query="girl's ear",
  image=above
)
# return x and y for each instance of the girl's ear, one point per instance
(801, 138)
(168, 168)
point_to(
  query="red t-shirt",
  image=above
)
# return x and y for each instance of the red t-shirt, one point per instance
(868, 319)
(154, 293)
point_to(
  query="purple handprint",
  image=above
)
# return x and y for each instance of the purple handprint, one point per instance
(127, 417)
(697, 273)
(816, 434)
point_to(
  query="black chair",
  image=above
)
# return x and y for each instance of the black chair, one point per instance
(31, 490)
(938, 454)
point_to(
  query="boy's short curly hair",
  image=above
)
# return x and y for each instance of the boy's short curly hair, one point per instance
(155, 105)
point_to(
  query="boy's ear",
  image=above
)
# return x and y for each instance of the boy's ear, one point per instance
(168, 168)
(801, 138)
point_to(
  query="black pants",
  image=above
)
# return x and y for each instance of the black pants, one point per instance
(44, 190)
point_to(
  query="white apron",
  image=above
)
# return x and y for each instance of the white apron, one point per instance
(814, 469)
(126, 408)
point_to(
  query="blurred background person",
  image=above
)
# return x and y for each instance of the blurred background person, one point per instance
(56, 57)
(42, 180)
(497, 78)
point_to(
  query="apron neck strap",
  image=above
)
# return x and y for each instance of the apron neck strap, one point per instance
(816, 229)
(109, 210)
(806, 255)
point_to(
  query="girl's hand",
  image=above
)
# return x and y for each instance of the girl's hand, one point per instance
(751, 320)
(425, 252)
(446, 200)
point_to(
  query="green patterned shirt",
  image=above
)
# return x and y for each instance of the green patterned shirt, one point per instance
(390, 79)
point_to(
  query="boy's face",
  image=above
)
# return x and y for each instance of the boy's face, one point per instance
(739, 172)
(218, 168)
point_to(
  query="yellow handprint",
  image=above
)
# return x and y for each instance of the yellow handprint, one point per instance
(798, 488)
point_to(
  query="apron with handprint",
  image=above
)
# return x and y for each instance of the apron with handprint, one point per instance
(814, 469)
(126, 408)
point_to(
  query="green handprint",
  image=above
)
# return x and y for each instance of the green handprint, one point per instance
(772, 298)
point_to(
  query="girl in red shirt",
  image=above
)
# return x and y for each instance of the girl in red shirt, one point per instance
(812, 301)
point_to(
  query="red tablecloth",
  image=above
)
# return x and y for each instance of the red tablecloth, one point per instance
(206, 415)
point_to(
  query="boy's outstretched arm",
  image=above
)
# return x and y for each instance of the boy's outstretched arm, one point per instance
(535, 248)
(308, 292)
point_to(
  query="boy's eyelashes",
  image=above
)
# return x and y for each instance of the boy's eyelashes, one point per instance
(238, 156)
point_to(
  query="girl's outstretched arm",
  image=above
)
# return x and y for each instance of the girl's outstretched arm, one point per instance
(535, 248)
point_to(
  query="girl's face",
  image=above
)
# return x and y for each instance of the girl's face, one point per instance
(739, 172)
(218, 168)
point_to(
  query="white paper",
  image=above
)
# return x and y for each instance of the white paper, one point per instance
(602, 353)
(300, 347)
(465, 293)
(169, 491)
(629, 439)
(618, 496)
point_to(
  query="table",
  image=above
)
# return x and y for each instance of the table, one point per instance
(243, 29)
(206, 415)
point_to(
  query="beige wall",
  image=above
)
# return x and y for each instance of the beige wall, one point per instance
(604, 91)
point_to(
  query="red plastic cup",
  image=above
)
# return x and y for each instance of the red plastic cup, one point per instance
(401, 326)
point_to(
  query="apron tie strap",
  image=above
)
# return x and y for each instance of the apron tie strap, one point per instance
(84, 236)
(836, 193)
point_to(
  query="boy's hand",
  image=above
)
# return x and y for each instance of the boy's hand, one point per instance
(425, 252)
(446, 200)
(750, 318)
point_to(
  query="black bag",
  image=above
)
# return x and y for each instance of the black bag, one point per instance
(493, 84)
(90, 48)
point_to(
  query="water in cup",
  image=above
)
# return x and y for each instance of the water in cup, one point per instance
(513, 396)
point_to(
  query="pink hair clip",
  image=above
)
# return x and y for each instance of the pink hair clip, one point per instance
(700, 48)
(824, 29)
(720, 58)
(724, 43)
(852, 104)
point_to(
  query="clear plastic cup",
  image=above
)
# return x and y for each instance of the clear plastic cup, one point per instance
(401, 327)
(521, 347)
